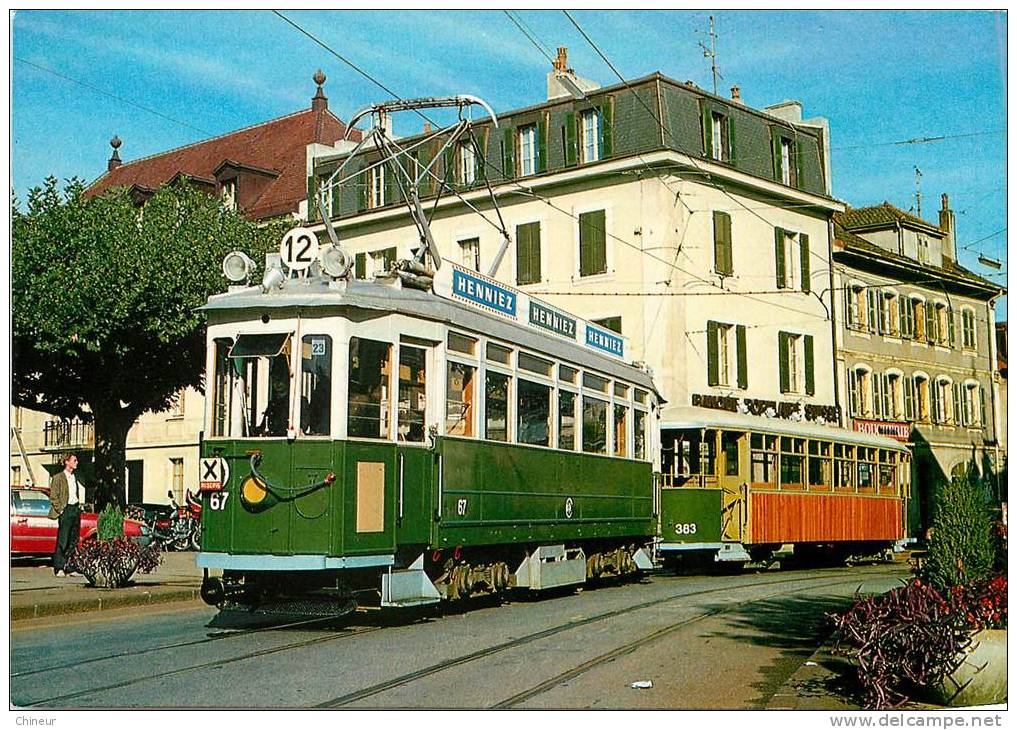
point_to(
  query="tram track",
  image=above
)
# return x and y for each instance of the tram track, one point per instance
(208, 639)
(397, 681)
(530, 638)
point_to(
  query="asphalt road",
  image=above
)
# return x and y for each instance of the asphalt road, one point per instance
(717, 642)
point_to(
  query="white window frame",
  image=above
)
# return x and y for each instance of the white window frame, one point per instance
(786, 160)
(890, 323)
(724, 350)
(968, 316)
(474, 263)
(589, 132)
(971, 407)
(228, 194)
(466, 156)
(377, 189)
(528, 142)
(863, 381)
(717, 135)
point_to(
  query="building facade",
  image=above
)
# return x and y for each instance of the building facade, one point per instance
(260, 171)
(696, 226)
(916, 345)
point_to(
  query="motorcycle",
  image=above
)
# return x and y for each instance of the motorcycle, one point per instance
(181, 530)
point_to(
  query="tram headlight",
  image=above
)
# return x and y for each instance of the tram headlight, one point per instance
(336, 262)
(237, 266)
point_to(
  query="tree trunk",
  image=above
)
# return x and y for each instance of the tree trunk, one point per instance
(111, 426)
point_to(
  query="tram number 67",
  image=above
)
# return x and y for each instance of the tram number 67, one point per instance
(217, 500)
(461, 507)
(685, 528)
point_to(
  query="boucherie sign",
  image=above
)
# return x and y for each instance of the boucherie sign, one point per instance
(891, 429)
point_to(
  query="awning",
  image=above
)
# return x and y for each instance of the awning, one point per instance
(680, 417)
(259, 345)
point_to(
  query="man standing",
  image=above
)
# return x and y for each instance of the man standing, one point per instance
(64, 497)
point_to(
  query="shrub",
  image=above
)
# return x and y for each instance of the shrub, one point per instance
(110, 524)
(961, 544)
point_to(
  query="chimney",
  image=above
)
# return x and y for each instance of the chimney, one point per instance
(562, 80)
(736, 94)
(948, 224)
(114, 160)
(319, 102)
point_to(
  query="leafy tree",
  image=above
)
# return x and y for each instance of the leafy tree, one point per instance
(104, 293)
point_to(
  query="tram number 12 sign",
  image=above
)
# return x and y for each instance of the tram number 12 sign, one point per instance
(299, 248)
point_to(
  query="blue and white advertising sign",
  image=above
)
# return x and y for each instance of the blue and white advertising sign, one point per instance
(484, 292)
(464, 285)
(605, 341)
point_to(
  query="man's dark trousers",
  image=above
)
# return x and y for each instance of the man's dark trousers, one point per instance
(68, 529)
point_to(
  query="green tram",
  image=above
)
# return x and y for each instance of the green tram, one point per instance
(736, 488)
(370, 440)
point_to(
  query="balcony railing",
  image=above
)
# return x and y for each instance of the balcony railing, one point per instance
(62, 434)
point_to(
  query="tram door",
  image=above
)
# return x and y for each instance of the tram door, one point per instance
(731, 471)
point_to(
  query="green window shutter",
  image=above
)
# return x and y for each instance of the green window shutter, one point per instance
(732, 155)
(707, 127)
(930, 323)
(712, 355)
(424, 157)
(360, 266)
(810, 373)
(951, 325)
(592, 243)
(796, 180)
(719, 254)
(873, 309)
(312, 195)
(392, 194)
(853, 392)
(743, 361)
(775, 144)
(902, 319)
(779, 242)
(981, 406)
(803, 250)
(390, 257)
(528, 253)
(877, 394)
(957, 414)
(542, 145)
(785, 366)
(909, 399)
(508, 153)
(607, 129)
(363, 182)
(571, 139)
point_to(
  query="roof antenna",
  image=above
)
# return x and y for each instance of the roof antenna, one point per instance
(918, 191)
(711, 53)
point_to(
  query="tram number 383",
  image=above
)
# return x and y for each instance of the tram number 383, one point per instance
(685, 528)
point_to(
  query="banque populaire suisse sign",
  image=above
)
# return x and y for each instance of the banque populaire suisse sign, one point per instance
(476, 290)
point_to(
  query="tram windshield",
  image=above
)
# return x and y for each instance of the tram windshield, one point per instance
(261, 384)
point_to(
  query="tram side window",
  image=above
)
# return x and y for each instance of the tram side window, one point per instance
(792, 462)
(412, 393)
(764, 459)
(459, 414)
(844, 458)
(221, 387)
(621, 426)
(866, 467)
(315, 385)
(820, 464)
(729, 445)
(566, 420)
(594, 426)
(370, 367)
(534, 413)
(496, 394)
(639, 434)
(275, 418)
(887, 469)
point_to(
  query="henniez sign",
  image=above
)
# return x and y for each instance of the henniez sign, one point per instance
(470, 287)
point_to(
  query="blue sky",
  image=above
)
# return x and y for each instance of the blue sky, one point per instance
(878, 77)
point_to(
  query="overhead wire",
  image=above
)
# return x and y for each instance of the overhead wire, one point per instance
(103, 92)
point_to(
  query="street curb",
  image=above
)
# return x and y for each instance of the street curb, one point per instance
(102, 603)
(786, 697)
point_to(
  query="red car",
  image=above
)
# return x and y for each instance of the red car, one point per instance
(34, 533)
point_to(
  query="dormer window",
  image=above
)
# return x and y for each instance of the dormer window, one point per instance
(377, 186)
(228, 194)
(590, 135)
(467, 163)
